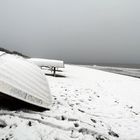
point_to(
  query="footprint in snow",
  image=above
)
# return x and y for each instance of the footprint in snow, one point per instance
(112, 133)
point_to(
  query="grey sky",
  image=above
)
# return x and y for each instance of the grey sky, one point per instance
(80, 31)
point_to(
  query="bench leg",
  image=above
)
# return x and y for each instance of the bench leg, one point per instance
(54, 70)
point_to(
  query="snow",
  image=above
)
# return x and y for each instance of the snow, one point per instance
(88, 104)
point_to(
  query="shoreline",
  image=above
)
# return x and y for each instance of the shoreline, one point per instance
(132, 66)
(133, 72)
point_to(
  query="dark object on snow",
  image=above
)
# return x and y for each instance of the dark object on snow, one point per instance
(112, 133)
(2, 124)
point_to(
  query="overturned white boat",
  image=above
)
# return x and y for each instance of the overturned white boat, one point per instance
(47, 62)
(23, 80)
(53, 64)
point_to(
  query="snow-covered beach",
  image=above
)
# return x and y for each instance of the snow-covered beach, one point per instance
(88, 104)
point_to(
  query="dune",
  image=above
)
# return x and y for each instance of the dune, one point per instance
(88, 104)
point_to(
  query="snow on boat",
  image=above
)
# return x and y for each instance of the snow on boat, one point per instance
(2, 53)
(23, 80)
(47, 62)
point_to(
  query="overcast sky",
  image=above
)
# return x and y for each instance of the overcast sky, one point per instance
(77, 31)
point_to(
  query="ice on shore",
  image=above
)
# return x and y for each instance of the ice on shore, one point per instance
(87, 104)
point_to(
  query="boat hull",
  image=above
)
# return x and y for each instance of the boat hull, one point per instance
(24, 81)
